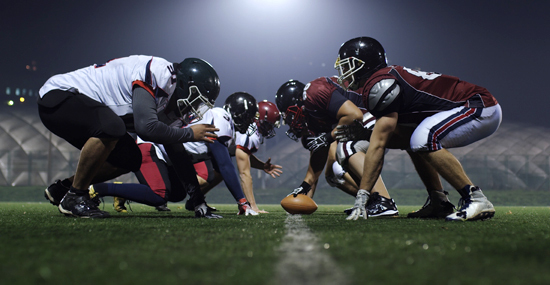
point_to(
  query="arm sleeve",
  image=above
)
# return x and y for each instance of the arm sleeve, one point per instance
(147, 125)
(220, 154)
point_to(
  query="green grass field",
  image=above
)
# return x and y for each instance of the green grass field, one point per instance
(38, 245)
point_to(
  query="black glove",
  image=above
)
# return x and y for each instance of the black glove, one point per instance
(318, 142)
(303, 189)
(352, 132)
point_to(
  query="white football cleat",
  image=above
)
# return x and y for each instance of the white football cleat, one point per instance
(475, 207)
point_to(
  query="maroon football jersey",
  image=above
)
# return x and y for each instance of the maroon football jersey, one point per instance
(323, 99)
(425, 93)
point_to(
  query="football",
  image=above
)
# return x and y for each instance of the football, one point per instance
(301, 204)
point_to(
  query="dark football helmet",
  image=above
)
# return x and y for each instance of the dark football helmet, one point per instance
(357, 59)
(197, 88)
(269, 119)
(289, 100)
(243, 109)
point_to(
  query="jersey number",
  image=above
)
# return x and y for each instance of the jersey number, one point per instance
(423, 74)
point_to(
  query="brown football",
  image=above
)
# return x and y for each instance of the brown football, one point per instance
(301, 204)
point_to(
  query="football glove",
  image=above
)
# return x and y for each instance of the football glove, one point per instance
(318, 142)
(359, 206)
(303, 189)
(246, 209)
(352, 132)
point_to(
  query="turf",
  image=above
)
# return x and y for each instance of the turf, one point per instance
(38, 245)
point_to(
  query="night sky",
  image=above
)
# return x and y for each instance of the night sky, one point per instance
(257, 45)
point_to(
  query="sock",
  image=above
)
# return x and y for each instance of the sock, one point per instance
(130, 191)
(465, 192)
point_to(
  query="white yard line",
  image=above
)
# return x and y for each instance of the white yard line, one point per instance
(303, 259)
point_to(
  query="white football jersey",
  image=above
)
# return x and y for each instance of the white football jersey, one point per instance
(111, 83)
(226, 135)
(251, 141)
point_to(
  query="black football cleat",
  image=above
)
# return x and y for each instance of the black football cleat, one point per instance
(80, 206)
(378, 206)
(163, 208)
(202, 211)
(55, 192)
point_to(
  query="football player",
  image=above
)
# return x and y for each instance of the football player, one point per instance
(445, 111)
(94, 108)
(156, 170)
(312, 111)
(248, 143)
(242, 107)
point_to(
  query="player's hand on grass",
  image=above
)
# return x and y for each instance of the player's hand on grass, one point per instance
(359, 206)
(204, 132)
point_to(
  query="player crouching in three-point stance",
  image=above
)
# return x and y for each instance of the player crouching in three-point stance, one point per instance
(312, 112)
(252, 124)
(446, 111)
(94, 108)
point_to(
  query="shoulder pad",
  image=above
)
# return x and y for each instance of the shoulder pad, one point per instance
(382, 94)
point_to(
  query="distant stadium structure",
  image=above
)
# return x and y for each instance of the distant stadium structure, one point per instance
(515, 157)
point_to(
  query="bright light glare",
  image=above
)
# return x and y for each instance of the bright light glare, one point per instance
(10, 103)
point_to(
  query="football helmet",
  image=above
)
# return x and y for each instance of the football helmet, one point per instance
(243, 109)
(357, 59)
(269, 119)
(289, 100)
(197, 88)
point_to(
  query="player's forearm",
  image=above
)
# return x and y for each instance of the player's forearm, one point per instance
(148, 126)
(372, 167)
(246, 183)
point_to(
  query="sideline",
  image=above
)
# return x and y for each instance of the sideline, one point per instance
(303, 260)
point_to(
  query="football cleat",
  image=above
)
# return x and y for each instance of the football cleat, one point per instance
(189, 206)
(246, 209)
(94, 196)
(80, 206)
(473, 207)
(202, 211)
(118, 204)
(55, 192)
(378, 206)
(163, 208)
(437, 206)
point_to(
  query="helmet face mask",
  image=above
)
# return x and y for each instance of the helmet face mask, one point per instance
(357, 60)
(296, 121)
(346, 68)
(194, 106)
(197, 89)
(289, 100)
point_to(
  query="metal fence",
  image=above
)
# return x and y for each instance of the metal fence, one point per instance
(19, 168)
